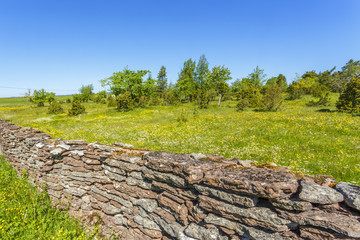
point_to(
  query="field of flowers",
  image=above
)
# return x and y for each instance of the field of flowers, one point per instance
(25, 213)
(307, 139)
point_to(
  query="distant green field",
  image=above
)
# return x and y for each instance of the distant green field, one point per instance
(303, 138)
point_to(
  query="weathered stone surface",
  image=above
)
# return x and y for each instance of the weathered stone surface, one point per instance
(246, 201)
(176, 204)
(343, 224)
(126, 205)
(122, 165)
(120, 220)
(291, 204)
(351, 194)
(315, 193)
(145, 184)
(164, 177)
(259, 182)
(124, 145)
(108, 208)
(258, 216)
(148, 204)
(146, 223)
(320, 234)
(198, 232)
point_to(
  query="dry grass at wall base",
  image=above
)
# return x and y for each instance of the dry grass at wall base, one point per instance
(312, 140)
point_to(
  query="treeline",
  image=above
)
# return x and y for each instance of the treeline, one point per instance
(199, 83)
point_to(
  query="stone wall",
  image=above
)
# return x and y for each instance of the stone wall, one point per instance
(141, 194)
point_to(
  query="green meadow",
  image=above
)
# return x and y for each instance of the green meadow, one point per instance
(313, 140)
(26, 213)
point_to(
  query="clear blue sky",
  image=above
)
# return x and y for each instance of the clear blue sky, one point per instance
(63, 44)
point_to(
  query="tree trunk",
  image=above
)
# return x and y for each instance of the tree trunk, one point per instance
(219, 104)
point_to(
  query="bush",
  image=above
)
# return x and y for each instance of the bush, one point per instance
(323, 101)
(272, 99)
(143, 101)
(349, 100)
(76, 108)
(295, 91)
(124, 102)
(252, 94)
(111, 101)
(242, 105)
(55, 108)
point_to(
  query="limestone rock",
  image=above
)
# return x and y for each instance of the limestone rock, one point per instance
(258, 182)
(246, 201)
(315, 193)
(343, 224)
(198, 232)
(258, 216)
(351, 194)
(291, 204)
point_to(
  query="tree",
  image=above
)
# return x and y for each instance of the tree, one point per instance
(217, 79)
(281, 81)
(40, 97)
(349, 100)
(201, 72)
(126, 81)
(149, 87)
(257, 77)
(86, 92)
(161, 81)
(186, 82)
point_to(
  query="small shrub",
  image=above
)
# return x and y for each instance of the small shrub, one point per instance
(143, 101)
(252, 94)
(349, 100)
(124, 102)
(55, 108)
(242, 105)
(111, 101)
(68, 100)
(323, 101)
(103, 101)
(76, 108)
(295, 91)
(272, 99)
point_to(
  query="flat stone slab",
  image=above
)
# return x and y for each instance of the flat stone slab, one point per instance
(315, 193)
(351, 194)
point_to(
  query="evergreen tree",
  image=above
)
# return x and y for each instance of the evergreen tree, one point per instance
(161, 82)
(186, 82)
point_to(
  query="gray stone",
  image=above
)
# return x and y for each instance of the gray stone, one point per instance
(108, 208)
(137, 175)
(259, 216)
(114, 169)
(245, 163)
(148, 204)
(57, 151)
(146, 223)
(315, 193)
(344, 224)
(124, 145)
(291, 204)
(127, 206)
(120, 220)
(140, 183)
(229, 197)
(64, 146)
(198, 156)
(75, 191)
(175, 230)
(351, 194)
(164, 177)
(198, 232)
(39, 145)
(256, 234)
(242, 230)
(77, 152)
(114, 176)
